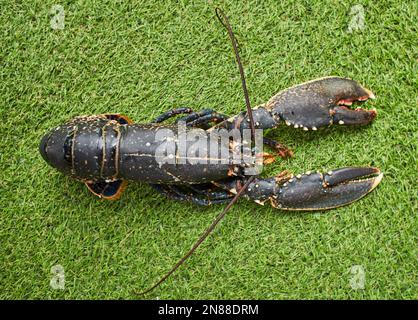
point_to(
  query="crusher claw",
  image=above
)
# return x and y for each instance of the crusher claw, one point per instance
(322, 102)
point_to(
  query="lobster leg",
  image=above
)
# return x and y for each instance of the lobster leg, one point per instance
(203, 118)
(283, 151)
(171, 113)
(199, 194)
(166, 191)
(310, 191)
(194, 119)
(205, 199)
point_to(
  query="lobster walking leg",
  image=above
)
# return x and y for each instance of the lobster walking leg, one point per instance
(211, 197)
(166, 191)
(283, 151)
(205, 120)
(200, 197)
(171, 113)
(194, 119)
(202, 119)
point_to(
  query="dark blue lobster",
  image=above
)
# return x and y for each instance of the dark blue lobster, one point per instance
(105, 151)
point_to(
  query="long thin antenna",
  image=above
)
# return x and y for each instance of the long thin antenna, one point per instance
(202, 237)
(225, 23)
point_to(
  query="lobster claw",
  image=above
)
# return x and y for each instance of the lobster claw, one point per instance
(322, 102)
(317, 191)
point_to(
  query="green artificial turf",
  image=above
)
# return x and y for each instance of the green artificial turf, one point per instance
(143, 59)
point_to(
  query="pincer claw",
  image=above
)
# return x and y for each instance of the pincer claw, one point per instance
(317, 191)
(322, 102)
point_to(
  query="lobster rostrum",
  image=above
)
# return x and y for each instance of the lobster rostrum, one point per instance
(105, 151)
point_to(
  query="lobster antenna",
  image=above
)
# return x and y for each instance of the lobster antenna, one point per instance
(225, 22)
(202, 237)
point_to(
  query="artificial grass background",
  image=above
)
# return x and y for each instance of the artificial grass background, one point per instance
(142, 59)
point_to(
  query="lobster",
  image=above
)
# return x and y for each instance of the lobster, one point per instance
(105, 151)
